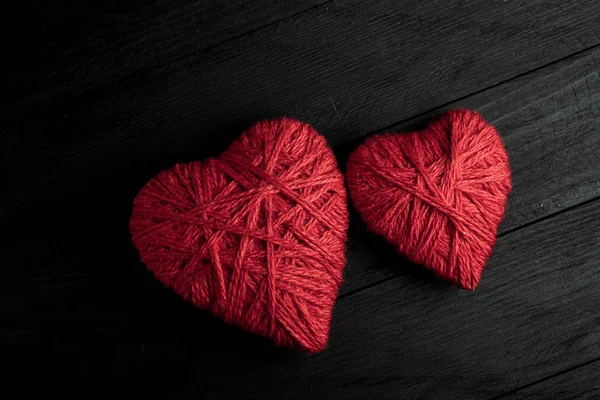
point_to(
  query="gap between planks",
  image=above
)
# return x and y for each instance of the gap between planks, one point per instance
(548, 378)
(507, 233)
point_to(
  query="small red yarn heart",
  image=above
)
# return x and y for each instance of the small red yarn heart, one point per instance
(256, 236)
(437, 195)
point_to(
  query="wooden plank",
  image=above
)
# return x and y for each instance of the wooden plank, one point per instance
(578, 383)
(550, 123)
(535, 315)
(73, 287)
(58, 49)
(348, 68)
(537, 114)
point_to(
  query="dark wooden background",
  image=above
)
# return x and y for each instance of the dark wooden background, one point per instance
(100, 97)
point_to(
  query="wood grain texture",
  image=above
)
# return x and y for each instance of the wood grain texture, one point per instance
(550, 124)
(549, 120)
(63, 49)
(581, 383)
(534, 315)
(54, 276)
(91, 120)
(347, 67)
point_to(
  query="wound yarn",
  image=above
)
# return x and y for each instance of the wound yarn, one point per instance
(437, 195)
(256, 236)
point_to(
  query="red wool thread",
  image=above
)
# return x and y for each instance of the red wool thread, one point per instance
(437, 195)
(256, 236)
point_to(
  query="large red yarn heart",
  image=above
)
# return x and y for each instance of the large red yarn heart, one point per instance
(437, 195)
(256, 236)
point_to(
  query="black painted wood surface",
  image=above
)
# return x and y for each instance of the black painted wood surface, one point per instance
(581, 383)
(101, 97)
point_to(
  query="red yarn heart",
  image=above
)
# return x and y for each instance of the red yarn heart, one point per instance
(256, 235)
(437, 195)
